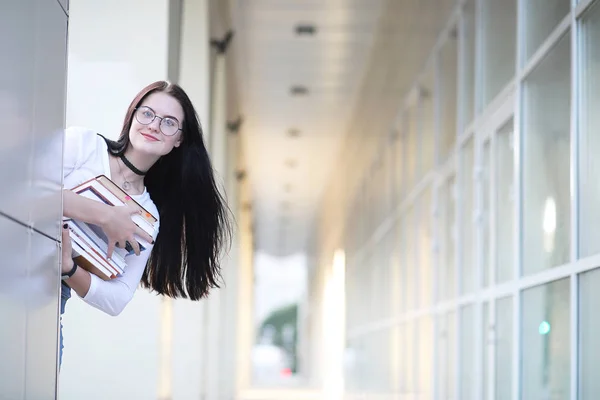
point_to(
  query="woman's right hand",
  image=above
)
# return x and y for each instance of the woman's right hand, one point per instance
(119, 229)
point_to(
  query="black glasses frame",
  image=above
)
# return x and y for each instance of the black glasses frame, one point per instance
(156, 116)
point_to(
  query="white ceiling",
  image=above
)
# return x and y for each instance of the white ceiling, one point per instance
(359, 46)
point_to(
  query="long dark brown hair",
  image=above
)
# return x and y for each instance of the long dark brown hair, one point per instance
(194, 218)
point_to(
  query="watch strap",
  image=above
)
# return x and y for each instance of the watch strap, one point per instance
(69, 274)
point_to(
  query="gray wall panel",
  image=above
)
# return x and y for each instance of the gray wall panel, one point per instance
(48, 116)
(33, 38)
(17, 45)
(42, 324)
(14, 247)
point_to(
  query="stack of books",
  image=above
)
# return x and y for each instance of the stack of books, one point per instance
(89, 241)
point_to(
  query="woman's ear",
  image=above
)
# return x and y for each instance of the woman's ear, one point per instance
(178, 141)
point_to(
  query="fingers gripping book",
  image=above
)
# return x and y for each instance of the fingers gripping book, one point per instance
(89, 242)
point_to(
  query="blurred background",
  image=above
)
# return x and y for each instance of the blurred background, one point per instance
(413, 183)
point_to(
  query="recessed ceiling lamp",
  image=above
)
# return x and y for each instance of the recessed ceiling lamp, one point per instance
(294, 133)
(305, 29)
(298, 90)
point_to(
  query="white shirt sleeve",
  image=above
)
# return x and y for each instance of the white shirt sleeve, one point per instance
(78, 148)
(112, 296)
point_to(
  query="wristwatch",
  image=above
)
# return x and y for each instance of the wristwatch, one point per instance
(67, 275)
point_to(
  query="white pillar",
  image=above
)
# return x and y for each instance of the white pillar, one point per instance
(194, 71)
(245, 300)
(216, 345)
(189, 350)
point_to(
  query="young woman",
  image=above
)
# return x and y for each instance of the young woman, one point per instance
(161, 161)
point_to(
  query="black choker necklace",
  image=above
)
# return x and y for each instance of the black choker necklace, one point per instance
(131, 166)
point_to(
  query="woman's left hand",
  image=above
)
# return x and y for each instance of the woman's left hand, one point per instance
(67, 251)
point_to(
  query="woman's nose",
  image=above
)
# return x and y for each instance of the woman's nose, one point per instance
(155, 125)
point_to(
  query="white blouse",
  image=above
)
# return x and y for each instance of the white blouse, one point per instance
(85, 157)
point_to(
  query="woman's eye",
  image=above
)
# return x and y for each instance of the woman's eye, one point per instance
(170, 122)
(148, 114)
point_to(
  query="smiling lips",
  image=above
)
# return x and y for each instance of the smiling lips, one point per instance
(149, 137)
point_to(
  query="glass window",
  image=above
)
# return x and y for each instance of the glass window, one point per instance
(541, 17)
(499, 28)
(446, 356)
(448, 64)
(468, 362)
(589, 345)
(410, 260)
(412, 150)
(396, 352)
(447, 265)
(485, 354)
(426, 123)
(504, 206)
(589, 140)
(411, 354)
(545, 334)
(546, 147)
(401, 262)
(466, 237)
(485, 213)
(503, 348)
(399, 165)
(468, 79)
(425, 358)
(424, 235)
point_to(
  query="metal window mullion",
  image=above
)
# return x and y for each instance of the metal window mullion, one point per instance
(518, 209)
(581, 7)
(574, 175)
(478, 230)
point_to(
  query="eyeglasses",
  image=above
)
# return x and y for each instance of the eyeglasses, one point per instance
(168, 125)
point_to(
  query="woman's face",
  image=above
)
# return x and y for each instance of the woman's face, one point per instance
(156, 125)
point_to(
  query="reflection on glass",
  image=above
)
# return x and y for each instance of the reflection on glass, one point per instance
(546, 135)
(411, 354)
(504, 206)
(467, 358)
(401, 257)
(485, 356)
(589, 346)
(396, 353)
(398, 166)
(410, 260)
(485, 213)
(545, 334)
(498, 45)
(395, 277)
(503, 348)
(447, 265)
(412, 150)
(589, 140)
(541, 17)
(424, 235)
(448, 58)
(425, 358)
(426, 124)
(468, 88)
(446, 355)
(468, 280)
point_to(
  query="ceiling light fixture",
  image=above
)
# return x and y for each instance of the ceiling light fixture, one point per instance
(298, 90)
(305, 30)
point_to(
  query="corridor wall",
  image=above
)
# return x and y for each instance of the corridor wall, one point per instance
(33, 44)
